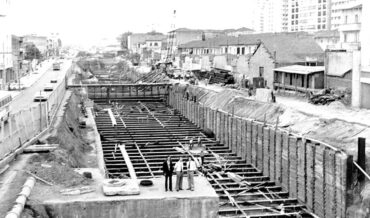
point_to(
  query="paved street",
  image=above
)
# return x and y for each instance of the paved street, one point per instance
(25, 100)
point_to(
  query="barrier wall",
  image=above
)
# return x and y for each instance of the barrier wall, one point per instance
(313, 172)
(26, 124)
(125, 91)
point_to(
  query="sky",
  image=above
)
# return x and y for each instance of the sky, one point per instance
(86, 22)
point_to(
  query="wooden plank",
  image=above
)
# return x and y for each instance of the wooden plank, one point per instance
(128, 162)
(146, 163)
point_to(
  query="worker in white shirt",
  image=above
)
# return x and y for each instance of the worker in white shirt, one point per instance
(179, 167)
(192, 167)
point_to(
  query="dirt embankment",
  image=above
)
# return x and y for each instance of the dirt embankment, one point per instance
(339, 133)
(58, 166)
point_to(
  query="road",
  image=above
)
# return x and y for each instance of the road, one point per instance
(25, 99)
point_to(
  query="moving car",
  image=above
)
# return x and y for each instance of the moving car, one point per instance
(48, 87)
(56, 66)
(54, 81)
(40, 96)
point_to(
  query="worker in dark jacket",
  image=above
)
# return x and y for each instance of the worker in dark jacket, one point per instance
(167, 171)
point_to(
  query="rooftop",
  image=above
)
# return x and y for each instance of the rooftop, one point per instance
(299, 69)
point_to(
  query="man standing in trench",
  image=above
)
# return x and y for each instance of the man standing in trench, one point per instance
(167, 171)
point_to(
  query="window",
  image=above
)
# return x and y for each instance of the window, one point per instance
(238, 50)
(261, 71)
(156, 44)
(243, 50)
(345, 19)
(345, 37)
(225, 50)
(356, 18)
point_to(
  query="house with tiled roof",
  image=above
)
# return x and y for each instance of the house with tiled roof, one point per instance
(279, 50)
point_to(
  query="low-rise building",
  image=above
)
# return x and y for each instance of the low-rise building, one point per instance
(17, 54)
(280, 50)
(327, 39)
(350, 28)
(299, 78)
(238, 32)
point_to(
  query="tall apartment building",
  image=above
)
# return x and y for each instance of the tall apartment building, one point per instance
(309, 15)
(271, 16)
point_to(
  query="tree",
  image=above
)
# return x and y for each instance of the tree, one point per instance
(123, 39)
(32, 52)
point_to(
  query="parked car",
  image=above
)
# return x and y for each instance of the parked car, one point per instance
(40, 96)
(48, 87)
(53, 81)
(16, 86)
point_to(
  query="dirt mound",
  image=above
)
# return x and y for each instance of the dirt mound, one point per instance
(69, 136)
(56, 171)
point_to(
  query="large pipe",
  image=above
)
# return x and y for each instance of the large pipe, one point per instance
(18, 206)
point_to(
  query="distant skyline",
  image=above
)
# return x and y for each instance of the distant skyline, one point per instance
(86, 22)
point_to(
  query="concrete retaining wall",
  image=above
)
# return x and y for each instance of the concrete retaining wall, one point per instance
(140, 208)
(313, 172)
(26, 124)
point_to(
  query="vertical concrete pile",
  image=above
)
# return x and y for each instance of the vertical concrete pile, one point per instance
(309, 170)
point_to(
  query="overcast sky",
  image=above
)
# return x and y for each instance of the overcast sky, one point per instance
(87, 21)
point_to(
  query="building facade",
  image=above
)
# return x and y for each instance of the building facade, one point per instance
(336, 11)
(309, 15)
(272, 16)
(6, 59)
(350, 27)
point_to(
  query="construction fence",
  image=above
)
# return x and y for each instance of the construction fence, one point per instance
(25, 124)
(313, 172)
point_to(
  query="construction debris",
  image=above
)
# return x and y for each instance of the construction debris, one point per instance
(325, 96)
(77, 190)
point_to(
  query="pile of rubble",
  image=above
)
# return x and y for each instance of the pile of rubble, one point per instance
(326, 96)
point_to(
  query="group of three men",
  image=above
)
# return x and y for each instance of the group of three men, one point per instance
(168, 169)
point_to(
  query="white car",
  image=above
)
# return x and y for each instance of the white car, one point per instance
(16, 86)
(48, 87)
(40, 96)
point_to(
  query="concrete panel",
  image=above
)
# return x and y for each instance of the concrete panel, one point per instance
(293, 186)
(272, 155)
(285, 162)
(341, 183)
(278, 159)
(254, 143)
(235, 135)
(319, 204)
(259, 146)
(244, 139)
(239, 143)
(231, 133)
(249, 135)
(266, 151)
(310, 187)
(301, 170)
(330, 191)
(226, 129)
